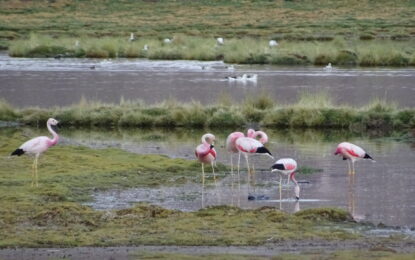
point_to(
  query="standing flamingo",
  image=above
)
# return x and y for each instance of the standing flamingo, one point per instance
(249, 145)
(287, 166)
(37, 146)
(351, 152)
(206, 153)
(231, 143)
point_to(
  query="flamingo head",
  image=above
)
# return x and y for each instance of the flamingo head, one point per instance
(251, 133)
(338, 151)
(208, 138)
(52, 121)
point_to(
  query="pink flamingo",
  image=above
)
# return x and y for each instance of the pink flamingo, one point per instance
(287, 166)
(206, 153)
(249, 145)
(351, 152)
(231, 143)
(37, 146)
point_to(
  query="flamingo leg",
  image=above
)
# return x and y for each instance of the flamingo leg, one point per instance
(353, 170)
(33, 173)
(203, 185)
(247, 164)
(231, 165)
(213, 171)
(280, 188)
(36, 174)
(350, 169)
(239, 161)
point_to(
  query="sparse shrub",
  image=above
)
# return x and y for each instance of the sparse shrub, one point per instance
(225, 118)
(346, 57)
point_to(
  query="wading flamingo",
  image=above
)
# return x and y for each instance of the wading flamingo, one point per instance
(351, 152)
(206, 153)
(287, 166)
(249, 145)
(37, 146)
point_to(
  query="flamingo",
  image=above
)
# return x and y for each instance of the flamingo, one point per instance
(206, 153)
(287, 166)
(37, 146)
(249, 145)
(351, 152)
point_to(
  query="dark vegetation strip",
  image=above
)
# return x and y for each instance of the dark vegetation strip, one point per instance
(310, 111)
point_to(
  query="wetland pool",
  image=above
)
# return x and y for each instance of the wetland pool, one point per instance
(382, 191)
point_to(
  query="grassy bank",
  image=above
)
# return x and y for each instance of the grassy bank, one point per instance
(235, 50)
(293, 20)
(310, 111)
(52, 215)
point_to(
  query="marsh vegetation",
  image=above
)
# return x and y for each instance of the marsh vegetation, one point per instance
(313, 110)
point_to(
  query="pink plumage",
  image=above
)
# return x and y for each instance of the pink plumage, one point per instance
(38, 145)
(351, 152)
(206, 153)
(287, 166)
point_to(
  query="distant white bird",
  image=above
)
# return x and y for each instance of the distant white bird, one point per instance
(145, 48)
(167, 40)
(76, 43)
(244, 78)
(328, 67)
(273, 43)
(220, 41)
(132, 37)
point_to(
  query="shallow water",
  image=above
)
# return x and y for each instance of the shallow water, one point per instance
(50, 82)
(382, 191)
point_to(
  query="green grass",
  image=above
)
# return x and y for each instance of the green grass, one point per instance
(312, 110)
(299, 20)
(235, 50)
(371, 32)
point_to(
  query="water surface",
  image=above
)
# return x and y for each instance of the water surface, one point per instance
(382, 191)
(51, 82)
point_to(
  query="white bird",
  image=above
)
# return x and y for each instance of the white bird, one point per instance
(37, 146)
(167, 40)
(287, 166)
(273, 43)
(244, 78)
(145, 48)
(132, 37)
(220, 41)
(328, 67)
(77, 43)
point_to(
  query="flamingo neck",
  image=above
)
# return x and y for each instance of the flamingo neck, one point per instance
(55, 138)
(292, 177)
(263, 138)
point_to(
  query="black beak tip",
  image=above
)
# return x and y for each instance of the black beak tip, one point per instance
(212, 146)
(297, 198)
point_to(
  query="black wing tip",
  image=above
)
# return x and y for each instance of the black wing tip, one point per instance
(278, 166)
(367, 156)
(263, 150)
(17, 152)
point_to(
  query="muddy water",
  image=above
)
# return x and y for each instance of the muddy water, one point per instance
(382, 191)
(50, 82)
